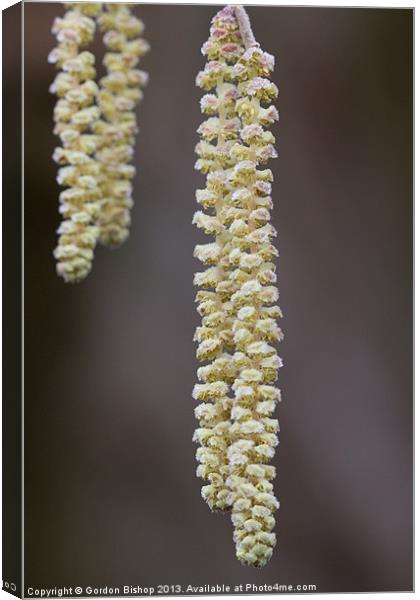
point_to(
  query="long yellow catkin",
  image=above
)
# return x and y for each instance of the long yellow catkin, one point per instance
(74, 115)
(237, 434)
(120, 91)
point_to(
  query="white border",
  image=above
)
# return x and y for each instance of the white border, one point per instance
(321, 3)
(22, 577)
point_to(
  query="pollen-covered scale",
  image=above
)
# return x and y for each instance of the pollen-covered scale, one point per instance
(237, 298)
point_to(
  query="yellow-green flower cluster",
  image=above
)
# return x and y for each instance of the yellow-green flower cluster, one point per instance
(237, 433)
(74, 115)
(120, 91)
(215, 336)
(97, 127)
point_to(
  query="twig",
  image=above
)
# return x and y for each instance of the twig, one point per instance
(245, 26)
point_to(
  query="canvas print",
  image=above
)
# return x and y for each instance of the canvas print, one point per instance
(207, 241)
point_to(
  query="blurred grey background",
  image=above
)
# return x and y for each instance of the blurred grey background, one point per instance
(111, 496)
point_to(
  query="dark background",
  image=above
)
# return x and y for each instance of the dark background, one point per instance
(111, 496)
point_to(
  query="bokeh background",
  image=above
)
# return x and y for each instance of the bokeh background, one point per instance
(111, 496)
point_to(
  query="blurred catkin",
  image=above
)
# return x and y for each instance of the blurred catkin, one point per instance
(74, 115)
(120, 91)
(97, 128)
(237, 434)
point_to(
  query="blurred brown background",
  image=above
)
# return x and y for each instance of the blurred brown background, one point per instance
(111, 495)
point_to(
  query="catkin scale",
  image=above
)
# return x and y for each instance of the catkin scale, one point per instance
(237, 433)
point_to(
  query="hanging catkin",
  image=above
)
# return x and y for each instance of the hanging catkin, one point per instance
(120, 91)
(97, 128)
(74, 115)
(237, 434)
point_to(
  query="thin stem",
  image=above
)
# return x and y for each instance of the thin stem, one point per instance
(245, 26)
